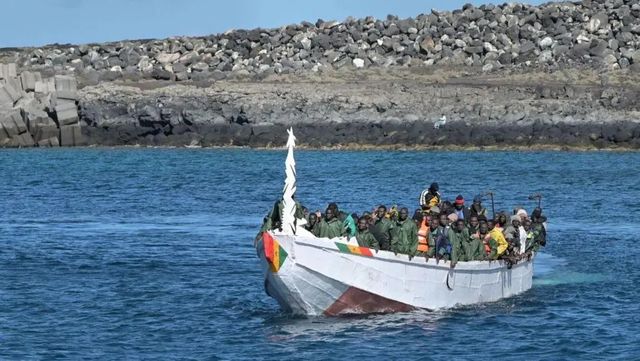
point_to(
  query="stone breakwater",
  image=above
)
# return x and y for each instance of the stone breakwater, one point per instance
(559, 74)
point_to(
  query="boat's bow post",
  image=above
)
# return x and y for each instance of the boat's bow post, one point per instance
(288, 202)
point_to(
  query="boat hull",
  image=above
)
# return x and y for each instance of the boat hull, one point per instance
(319, 276)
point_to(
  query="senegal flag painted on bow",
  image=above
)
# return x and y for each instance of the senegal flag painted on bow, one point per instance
(273, 252)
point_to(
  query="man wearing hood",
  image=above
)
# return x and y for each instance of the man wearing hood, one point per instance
(430, 197)
(476, 208)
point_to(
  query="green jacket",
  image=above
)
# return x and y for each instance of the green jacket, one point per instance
(366, 239)
(404, 237)
(382, 231)
(331, 229)
(457, 239)
(473, 249)
(493, 245)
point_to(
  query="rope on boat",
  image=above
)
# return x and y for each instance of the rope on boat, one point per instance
(448, 274)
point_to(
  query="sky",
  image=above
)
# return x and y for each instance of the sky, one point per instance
(41, 22)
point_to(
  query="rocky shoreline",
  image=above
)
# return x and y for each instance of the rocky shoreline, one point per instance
(560, 75)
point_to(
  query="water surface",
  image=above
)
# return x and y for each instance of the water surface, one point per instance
(147, 254)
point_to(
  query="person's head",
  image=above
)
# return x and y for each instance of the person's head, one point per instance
(483, 228)
(526, 224)
(334, 207)
(313, 219)
(477, 201)
(459, 227)
(459, 203)
(537, 213)
(502, 219)
(382, 211)
(417, 215)
(482, 218)
(403, 214)
(515, 221)
(452, 218)
(427, 219)
(434, 188)
(473, 221)
(443, 220)
(363, 224)
(491, 224)
(447, 207)
(328, 214)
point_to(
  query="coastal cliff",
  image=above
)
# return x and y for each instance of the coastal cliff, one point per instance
(562, 74)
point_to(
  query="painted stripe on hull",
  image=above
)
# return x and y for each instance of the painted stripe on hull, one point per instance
(357, 301)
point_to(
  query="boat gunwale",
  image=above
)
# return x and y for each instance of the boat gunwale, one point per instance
(388, 256)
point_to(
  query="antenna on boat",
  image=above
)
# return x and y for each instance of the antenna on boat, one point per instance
(289, 191)
(537, 196)
(493, 207)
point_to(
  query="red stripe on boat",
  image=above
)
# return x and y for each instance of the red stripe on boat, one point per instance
(267, 242)
(356, 301)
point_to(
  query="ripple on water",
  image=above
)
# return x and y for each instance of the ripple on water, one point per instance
(147, 253)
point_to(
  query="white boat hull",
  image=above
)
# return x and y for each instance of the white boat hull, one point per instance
(318, 276)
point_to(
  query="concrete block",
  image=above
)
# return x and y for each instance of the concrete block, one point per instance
(66, 87)
(65, 82)
(71, 135)
(8, 71)
(50, 142)
(28, 80)
(25, 140)
(13, 88)
(67, 113)
(12, 123)
(5, 98)
(45, 86)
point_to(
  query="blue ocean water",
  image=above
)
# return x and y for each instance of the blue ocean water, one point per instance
(113, 254)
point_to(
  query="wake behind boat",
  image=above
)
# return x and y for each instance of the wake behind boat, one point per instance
(309, 275)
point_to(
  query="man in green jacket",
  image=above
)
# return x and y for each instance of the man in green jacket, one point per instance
(382, 228)
(330, 226)
(458, 235)
(474, 247)
(404, 237)
(364, 237)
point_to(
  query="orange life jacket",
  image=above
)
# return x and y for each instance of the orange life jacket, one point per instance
(423, 240)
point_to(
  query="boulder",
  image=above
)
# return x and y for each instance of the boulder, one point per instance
(28, 80)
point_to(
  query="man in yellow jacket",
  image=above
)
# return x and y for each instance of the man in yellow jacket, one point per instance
(496, 233)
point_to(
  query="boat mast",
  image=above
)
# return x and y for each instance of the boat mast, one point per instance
(288, 203)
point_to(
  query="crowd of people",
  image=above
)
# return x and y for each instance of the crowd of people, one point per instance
(439, 229)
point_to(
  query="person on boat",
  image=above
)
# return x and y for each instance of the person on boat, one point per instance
(404, 238)
(473, 224)
(538, 230)
(439, 245)
(474, 246)
(458, 235)
(489, 243)
(312, 223)
(476, 208)
(382, 228)
(330, 226)
(460, 210)
(430, 197)
(417, 217)
(364, 236)
(423, 236)
(512, 233)
(496, 233)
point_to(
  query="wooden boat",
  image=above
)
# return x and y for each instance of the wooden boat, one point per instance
(319, 276)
